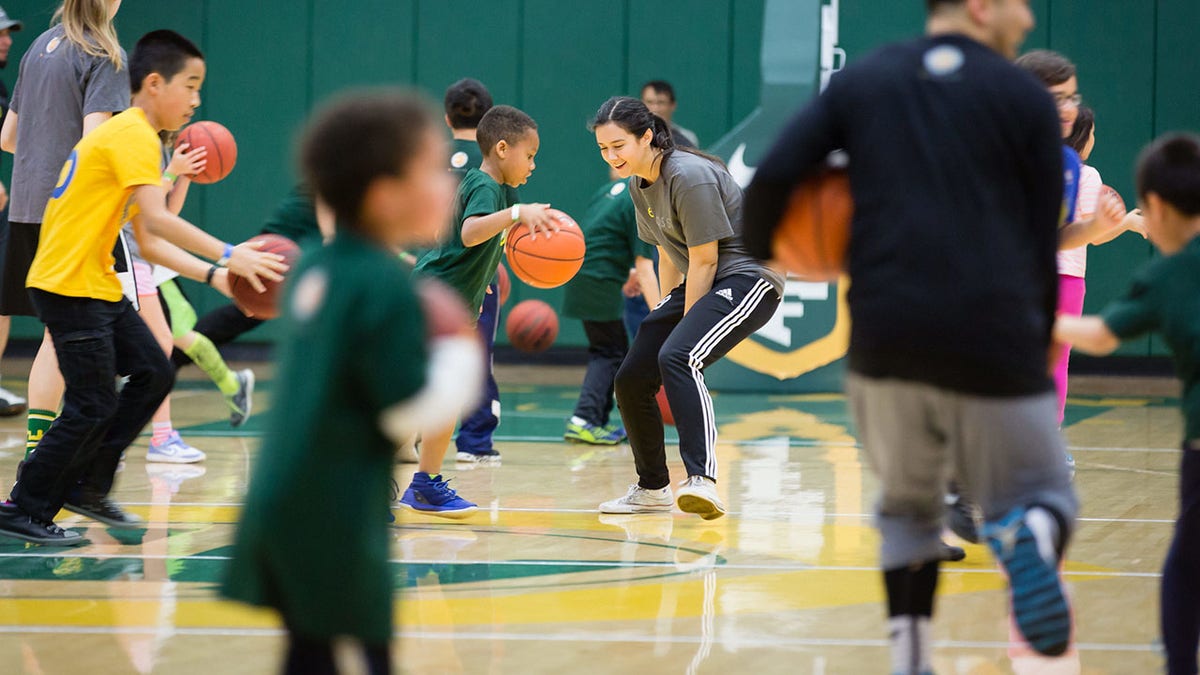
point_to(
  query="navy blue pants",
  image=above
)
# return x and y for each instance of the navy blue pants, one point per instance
(1181, 574)
(94, 340)
(475, 433)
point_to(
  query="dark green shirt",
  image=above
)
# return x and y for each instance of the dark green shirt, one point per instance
(1165, 297)
(354, 346)
(464, 156)
(295, 218)
(610, 229)
(469, 270)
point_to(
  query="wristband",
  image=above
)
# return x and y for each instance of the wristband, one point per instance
(226, 255)
(170, 176)
(212, 272)
(515, 212)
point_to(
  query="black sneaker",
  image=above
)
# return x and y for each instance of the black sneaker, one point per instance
(104, 510)
(17, 524)
(952, 553)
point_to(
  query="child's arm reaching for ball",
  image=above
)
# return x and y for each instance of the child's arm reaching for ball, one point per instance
(1110, 216)
(1088, 334)
(243, 260)
(158, 251)
(185, 163)
(479, 229)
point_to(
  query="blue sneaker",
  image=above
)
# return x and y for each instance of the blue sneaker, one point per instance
(1025, 546)
(432, 496)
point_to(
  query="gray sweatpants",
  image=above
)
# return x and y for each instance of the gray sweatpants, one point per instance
(1003, 451)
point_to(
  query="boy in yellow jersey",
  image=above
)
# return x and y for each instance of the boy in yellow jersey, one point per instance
(114, 172)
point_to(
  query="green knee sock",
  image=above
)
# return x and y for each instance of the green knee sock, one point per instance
(205, 355)
(36, 425)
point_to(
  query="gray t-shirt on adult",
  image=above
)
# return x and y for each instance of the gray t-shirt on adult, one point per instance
(57, 85)
(696, 202)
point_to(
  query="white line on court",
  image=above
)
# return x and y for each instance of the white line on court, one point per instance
(738, 641)
(600, 564)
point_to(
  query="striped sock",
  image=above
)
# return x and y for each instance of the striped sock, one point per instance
(36, 425)
(162, 431)
(205, 355)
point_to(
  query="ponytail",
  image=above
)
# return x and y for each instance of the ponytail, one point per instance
(633, 116)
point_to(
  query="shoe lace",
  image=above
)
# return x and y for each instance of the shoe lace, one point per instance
(442, 487)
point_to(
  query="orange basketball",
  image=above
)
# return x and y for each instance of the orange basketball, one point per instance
(532, 326)
(664, 407)
(814, 233)
(503, 284)
(546, 262)
(222, 149)
(264, 305)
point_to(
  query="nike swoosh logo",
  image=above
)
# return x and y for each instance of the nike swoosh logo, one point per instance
(741, 173)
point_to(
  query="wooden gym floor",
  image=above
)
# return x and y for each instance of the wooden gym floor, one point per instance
(538, 582)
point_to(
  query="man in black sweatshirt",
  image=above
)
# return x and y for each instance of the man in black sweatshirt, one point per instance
(957, 176)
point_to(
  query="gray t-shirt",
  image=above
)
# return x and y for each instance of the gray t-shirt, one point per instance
(57, 85)
(695, 202)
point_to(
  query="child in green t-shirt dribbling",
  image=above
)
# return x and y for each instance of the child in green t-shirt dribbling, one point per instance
(355, 375)
(1165, 298)
(466, 261)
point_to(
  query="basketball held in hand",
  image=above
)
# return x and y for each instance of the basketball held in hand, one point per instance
(222, 149)
(546, 262)
(814, 234)
(264, 305)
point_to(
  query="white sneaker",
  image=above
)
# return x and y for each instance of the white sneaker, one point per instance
(471, 459)
(174, 451)
(11, 404)
(640, 500)
(698, 495)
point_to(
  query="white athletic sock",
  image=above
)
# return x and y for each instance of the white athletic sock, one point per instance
(911, 649)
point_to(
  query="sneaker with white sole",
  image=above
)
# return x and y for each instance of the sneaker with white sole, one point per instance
(11, 404)
(698, 495)
(174, 451)
(241, 404)
(640, 500)
(489, 458)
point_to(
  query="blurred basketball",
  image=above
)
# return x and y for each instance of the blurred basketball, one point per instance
(222, 149)
(1109, 192)
(664, 407)
(264, 305)
(814, 233)
(503, 284)
(446, 313)
(532, 326)
(546, 262)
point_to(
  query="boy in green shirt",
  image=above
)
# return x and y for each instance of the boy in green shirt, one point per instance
(466, 261)
(1165, 297)
(355, 375)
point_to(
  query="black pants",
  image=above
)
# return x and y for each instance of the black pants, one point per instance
(607, 345)
(673, 350)
(222, 325)
(94, 340)
(1181, 574)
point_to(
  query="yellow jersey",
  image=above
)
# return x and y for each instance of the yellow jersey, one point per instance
(90, 203)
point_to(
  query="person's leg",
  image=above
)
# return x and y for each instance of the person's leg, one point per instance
(308, 656)
(379, 658)
(474, 442)
(45, 392)
(221, 326)
(636, 385)
(428, 492)
(83, 331)
(139, 355)
(1009, 456)
(236, 387)
(607, 346)
(10, 404)
(905, 447)
(1180, 595)
(165, 443)
(1071, 290)
(735, 307)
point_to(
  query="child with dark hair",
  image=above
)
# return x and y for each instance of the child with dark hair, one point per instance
(1165, 298)
(96, 332)
(466, 260)
(355, 376)
(714, 295)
